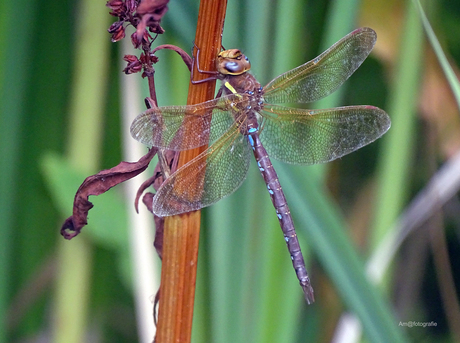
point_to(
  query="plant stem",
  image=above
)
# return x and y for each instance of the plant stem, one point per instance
(181, 236)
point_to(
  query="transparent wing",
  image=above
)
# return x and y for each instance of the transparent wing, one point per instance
(302, 136)
(212, 175)
(184, 127)
(324, 74)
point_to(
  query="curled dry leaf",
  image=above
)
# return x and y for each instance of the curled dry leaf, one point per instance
(98, 184)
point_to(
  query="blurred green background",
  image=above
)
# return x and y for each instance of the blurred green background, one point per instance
(61, 119)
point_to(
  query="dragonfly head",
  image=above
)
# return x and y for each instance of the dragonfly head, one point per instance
(232, 62)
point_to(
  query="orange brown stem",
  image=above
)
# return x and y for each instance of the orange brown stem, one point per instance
(181, 235)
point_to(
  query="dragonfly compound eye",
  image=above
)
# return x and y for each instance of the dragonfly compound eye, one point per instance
(232, 67)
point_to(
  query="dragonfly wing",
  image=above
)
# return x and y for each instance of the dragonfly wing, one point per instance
(303, 136)
(212, 175)
(184, 127)
(324, 74)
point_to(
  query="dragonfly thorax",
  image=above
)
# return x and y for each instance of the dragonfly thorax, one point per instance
(248, 100)
(244, 83)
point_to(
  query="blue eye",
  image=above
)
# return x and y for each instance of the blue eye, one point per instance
(246, 58)
(232, 66)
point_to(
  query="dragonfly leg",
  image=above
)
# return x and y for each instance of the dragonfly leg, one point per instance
(214, 74)
(167, 161)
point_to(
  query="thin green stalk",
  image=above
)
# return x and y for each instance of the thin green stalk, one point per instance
(86, 112)
(448, 71)
(13, 80)
(394, 166)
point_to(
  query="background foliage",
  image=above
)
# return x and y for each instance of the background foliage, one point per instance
(247, 290)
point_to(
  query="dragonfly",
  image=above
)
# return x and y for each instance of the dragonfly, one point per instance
(246, 119)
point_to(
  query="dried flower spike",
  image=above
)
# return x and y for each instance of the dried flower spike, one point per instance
(134, 65)
(117, 30)
(117, 7)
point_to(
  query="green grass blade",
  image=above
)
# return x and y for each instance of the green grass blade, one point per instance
(398, 143)
(16, 23)
(448, 71)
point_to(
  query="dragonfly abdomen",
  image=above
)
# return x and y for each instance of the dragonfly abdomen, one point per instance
(282, 211)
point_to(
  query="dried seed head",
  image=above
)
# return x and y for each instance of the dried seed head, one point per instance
(117, 30)
(117, 7)
(133, 66)
(145, 38)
